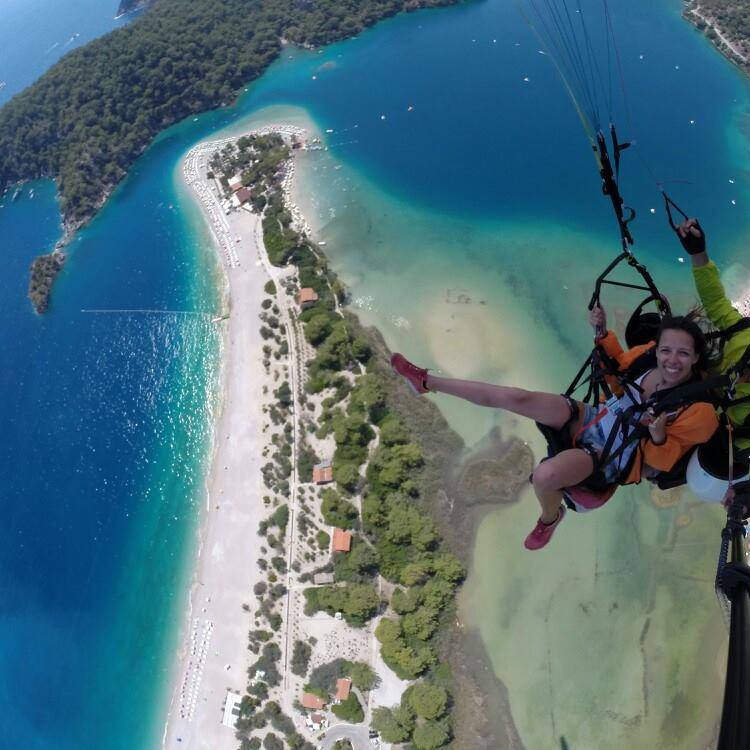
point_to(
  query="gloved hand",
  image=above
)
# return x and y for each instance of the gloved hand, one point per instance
(692, 236)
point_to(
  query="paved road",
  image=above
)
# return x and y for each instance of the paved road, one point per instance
(356, 733)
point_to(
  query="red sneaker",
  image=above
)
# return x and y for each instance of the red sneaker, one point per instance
(542, 533)
(415, 376)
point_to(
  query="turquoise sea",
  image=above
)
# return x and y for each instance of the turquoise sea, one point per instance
(483, 188)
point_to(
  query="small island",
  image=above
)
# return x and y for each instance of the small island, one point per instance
(44, 269)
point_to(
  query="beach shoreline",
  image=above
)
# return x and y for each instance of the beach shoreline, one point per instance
(213, 657)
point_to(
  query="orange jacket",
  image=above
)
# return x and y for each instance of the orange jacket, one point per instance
(691, 426)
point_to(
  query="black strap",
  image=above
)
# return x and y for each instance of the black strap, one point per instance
(610, 187)
(669, 204)
(726, 333)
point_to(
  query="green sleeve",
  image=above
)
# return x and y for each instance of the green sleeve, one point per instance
(719, 309)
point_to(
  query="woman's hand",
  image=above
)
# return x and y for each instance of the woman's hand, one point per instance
(597, 317)
(657, 426)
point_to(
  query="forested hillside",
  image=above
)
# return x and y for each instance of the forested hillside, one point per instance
(94, 112)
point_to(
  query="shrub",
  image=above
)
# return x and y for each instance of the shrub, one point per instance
(323, 539)
(280, 518)
(270, 287)
(349, 710)
(337, 511)
(301, 658)
(357, 602)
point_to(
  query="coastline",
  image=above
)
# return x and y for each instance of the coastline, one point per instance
(213, 657)
(709, 27)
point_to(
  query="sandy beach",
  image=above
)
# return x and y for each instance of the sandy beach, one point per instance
(214, 657)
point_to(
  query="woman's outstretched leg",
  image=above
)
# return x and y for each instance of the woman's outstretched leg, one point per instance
(550, 409)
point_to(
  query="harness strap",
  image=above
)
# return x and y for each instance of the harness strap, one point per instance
(726, 333)
(669, 204)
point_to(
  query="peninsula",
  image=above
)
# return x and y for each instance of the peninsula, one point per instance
(86, 120)
(327, 620)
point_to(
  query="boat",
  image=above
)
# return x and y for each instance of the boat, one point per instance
(16, 194)
(219, 318)
(2, 85)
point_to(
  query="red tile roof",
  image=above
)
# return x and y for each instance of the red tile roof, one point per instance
(312, 701)
(322, 474)
(343, 686)
(342, 540)
(307, 294)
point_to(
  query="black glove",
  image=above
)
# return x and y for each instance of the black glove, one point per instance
(693, 244)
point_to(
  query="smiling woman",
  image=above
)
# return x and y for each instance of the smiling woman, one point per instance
(601, 446)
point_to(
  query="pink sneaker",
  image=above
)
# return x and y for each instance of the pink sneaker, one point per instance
(542, 533)
(415, 376)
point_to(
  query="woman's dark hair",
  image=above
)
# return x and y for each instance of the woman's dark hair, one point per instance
(693, 323)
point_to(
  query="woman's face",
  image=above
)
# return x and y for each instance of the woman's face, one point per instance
(675, 356)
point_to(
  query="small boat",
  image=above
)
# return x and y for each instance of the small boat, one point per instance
(329, 130)
(16, 194)
(31, 193)
(322, 243)
(2, 85)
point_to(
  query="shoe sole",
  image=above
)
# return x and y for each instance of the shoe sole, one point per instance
(408, 382)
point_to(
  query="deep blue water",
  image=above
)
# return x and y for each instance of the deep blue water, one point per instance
(105, 416)
(34, 34)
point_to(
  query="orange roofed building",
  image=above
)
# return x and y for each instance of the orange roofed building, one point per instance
(323, 473)
(342, 540)
(307, 296)
(343, 686)
(312, 701)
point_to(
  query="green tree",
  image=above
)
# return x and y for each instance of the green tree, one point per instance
(393, 726)
(421, 623)
(323, 539)
(347, 476)
(272, 742)
(430, 735)
(337, 511)
(426, 700)
(318, 327)
(393, 431)
(301, 654)
(349, 710)
(357, 565)
(388, 630)
(362, 675)
(405, 600)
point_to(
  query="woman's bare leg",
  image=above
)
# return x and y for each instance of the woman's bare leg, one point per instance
(548, 408)
(566, 469)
